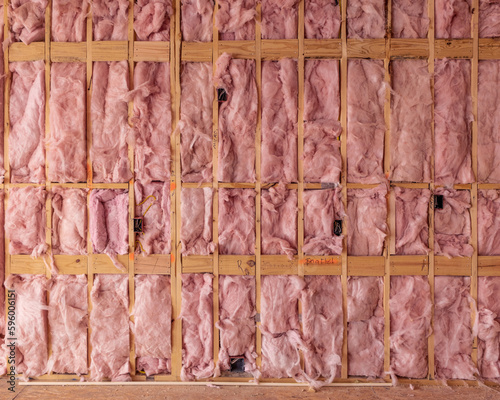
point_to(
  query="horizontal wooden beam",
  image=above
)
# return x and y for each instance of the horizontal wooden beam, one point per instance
(236, 265)
(102, 264)
(365, 266)
(456, 266)
(153, 264)
(152, 51)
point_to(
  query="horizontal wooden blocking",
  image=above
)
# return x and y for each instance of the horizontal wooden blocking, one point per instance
(196, 52)
(238, 48)
(102, 264)
(325, 48)
(24, 264)
(152, 264)
(366, 48)
(278, 265)
(31, 52)
(409, 48)
(236, 265)
(322, 265)
(456, 48)
(365, 265)
(110, 50)
(456, 266)
(489, 49)
(409, 265)
(488, 266)
(71, 265)
(68, 52)
(277, 49)
(152, 51)
(197, 264)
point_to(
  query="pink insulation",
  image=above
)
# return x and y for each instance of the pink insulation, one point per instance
(25, 221)
(452, 224)
(196, 221)
(108, 220)
(279, 121)
(235, 19)
(412, 221)
(409, 19)
(68, 320)
(279, 19)
(322, 161)
(27, 122)
(489, 18)
(197, 96)
(453, 19)
(279, 221)
(365, 318)
(488, 113)
(452, 122)
(152, 121)
(69, 221)
(109, 113)
(322, 326)
(110, 19)
(411, 116)
(67, 143)
(488, 222)
(196, 20)
(280, 326)
(152, 19)
(321, 19)
(237, 221)
(365, 120)
(452, 328)
(367, 221)
(237, 119)
(109, 322)
(155, 212)
(489, 327)
(321, 209)
(410, 306)
(236, 322)
(153, 324)
(197, 327)
(27, 20)
(69, 20)
(366, 19)
(31, 323)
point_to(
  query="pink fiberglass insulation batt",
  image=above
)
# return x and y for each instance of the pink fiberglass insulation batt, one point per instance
(322, 19)
(109, 322)
(27, 20)
(279, 19)
(365, 120)
(411, 116)
(235, 19)
(452, 328)
(367, 221)
(25, 221)
(453, 19)
(110, 19)
(196, 221)
(152, 120)
(196, 20)
(452, 122)
(237, 221)
(409, 19)
(279, 120)
(365, 317)
(489, 18)
(366, 19)
(153, 323)
(68, 321)
(67, 143)
(488, 222)
(412, 224)
(321, 209)
(109, 113)
(195, 123)
(69, 221)
(322, 161)
(410, 306)
(31, 324)
(452, 224)
(489, 327)
(488, 113)
(152, 19)
(155, 212)
(197, 327)
(27, 122)
(322, 326)
(280, 326)
(237, 119)
(69, 20)
(108, 209)
(279, 221)
(236, 322)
